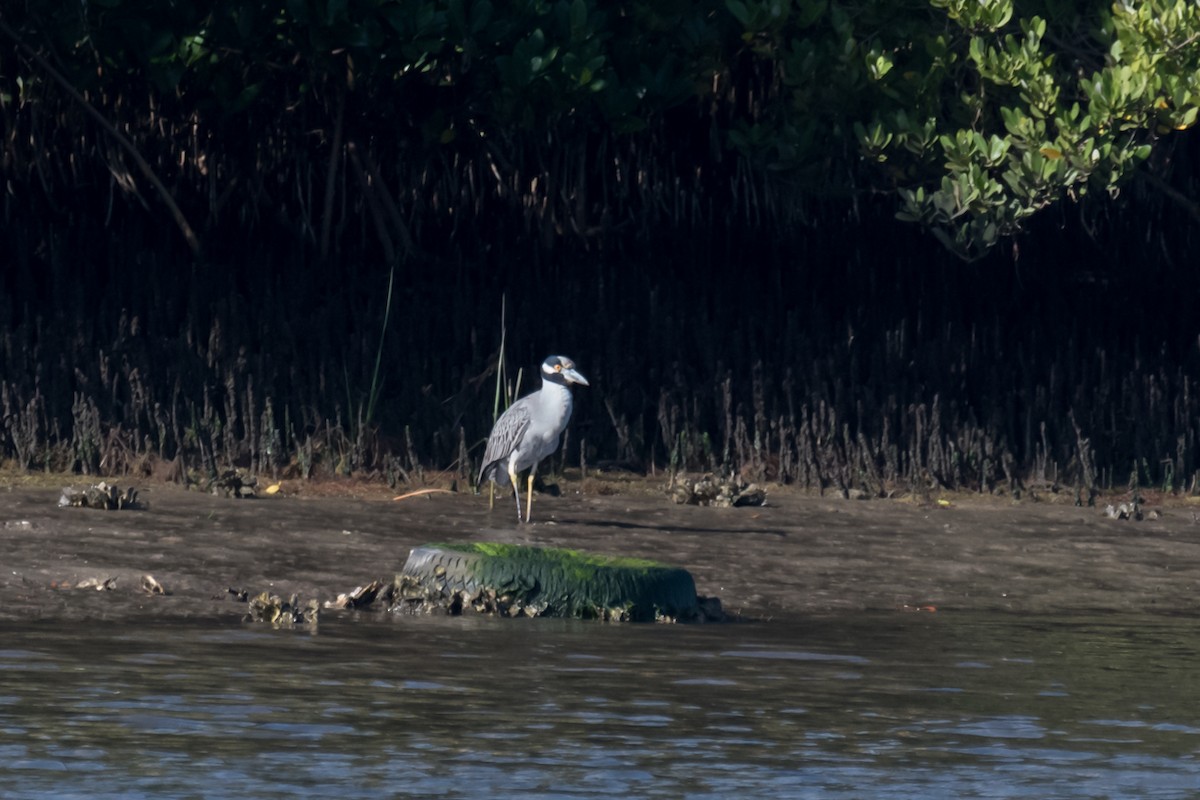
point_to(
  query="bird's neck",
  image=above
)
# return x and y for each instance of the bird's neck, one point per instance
(556, 389)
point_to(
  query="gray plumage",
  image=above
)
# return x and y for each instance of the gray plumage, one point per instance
(531, 429)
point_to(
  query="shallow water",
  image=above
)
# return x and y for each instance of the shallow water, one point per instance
(902, 705)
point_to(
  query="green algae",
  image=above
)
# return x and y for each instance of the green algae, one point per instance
(580, 563)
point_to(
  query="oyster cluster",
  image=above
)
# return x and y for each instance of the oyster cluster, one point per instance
(276, 611)
(418, 596)
(725, 492)
(233, 483)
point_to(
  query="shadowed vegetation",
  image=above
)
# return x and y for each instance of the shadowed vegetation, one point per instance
(215, 220)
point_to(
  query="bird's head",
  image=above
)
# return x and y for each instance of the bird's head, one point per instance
(560, 369)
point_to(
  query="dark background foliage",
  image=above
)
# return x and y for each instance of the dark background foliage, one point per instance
(292, 239)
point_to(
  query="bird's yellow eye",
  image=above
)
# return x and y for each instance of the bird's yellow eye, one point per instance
(558, 367)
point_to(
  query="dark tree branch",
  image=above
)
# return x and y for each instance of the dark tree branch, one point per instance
(188, 234)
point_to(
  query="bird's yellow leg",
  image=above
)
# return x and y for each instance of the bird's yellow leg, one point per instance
(529, 501)
(491, 494)
(512, 476)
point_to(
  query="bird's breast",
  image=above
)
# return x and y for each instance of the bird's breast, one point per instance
(554, 414)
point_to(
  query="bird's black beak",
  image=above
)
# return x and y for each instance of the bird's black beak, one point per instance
(574, 377)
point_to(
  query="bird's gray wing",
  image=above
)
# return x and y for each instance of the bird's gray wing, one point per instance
(506, 435)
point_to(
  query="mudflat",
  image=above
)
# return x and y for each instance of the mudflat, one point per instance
(798, 555)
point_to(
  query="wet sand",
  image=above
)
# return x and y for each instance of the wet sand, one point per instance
(799, 555)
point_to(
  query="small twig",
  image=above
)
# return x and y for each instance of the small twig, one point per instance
(335, 152)
(389, 205)
(419, 492)
(373, 203)
(1171, 193)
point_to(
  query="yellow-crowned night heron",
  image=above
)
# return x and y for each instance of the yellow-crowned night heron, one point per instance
(530, 429)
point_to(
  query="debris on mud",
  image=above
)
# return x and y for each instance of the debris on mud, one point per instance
(720, 492)
(101, 495)
(1124, 511)
(99, 584)
(150, 585)
(359, 597)
(1131, 510)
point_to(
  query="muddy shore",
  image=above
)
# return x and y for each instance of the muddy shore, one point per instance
(799, 555)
